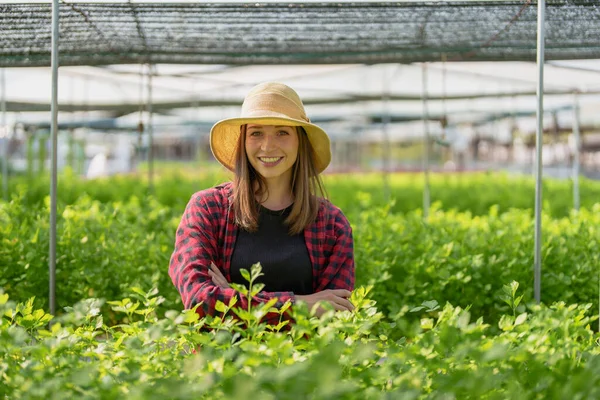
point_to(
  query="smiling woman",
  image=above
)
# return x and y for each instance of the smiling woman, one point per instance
(272, 151)
(274, 212)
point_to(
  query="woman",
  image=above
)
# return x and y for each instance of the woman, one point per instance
(271, 213)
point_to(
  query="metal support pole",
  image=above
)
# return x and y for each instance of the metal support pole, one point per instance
(386, 140)
(139, 158)
(537, 281)
(577, 137)
(80, 159)
(54, 133)
(5, 138)
(150, 133)
(426, 199)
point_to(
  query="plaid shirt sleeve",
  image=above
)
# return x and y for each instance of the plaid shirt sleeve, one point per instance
(201, 239)
(335, 256)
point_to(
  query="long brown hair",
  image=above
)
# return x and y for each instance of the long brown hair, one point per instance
(306, 186)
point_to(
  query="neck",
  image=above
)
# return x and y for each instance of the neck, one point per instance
(278, 195)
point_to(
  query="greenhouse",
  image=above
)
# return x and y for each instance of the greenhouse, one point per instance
(456, 256)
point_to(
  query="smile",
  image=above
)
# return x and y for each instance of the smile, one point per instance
(270, 161)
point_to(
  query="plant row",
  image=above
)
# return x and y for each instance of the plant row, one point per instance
(544, 352)
(474, 193)
(465, 260)
(105, 248)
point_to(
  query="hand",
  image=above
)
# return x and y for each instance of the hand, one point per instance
(338, 298)
(217, 277)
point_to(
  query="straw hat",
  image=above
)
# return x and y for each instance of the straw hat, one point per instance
(268, 104)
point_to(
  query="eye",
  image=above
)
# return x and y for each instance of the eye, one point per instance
(282, 133)
(255, 133)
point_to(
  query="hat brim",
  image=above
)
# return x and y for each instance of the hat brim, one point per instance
(224, 137)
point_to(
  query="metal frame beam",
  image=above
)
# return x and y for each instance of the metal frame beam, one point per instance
(537, 280)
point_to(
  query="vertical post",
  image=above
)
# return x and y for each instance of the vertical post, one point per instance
(386, 140)
(426, 199)
(5, 138)
(537, 281)
(357, 147)
(150, 133)
(197, 156)
(54, 134)
(139, 157)
(70, 131)
(577, 137)
(80, 159)
(555, 138)
(444, 110)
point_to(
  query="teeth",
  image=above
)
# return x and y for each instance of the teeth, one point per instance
(269, 159)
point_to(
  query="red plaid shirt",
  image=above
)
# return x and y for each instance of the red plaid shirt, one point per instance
(207, 232)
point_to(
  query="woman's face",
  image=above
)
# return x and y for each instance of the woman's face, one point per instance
(272, 150)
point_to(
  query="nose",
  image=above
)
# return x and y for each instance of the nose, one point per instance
(267, 143)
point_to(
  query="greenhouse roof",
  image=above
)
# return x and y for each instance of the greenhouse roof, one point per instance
(297, 33)
(462, 91)
(126, 108)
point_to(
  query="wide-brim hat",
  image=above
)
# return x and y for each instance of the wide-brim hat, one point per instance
(269, 103)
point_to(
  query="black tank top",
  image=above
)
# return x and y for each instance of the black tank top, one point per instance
(284, 259)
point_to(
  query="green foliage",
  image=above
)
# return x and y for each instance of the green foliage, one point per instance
(474, 192)
(105, 247)
(102, 249)
(550, 353)
(465, 260)
(475, 251)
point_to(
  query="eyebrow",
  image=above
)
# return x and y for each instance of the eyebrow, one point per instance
(260, 126)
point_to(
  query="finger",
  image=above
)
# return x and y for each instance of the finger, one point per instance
(216, 270)
(213, 267)
(342, 302)
(342, 293)
(336, 306)
(220, 284)
(223, 281)
(212, 276)
(332, 296)
(216, 279)
(219, 274)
